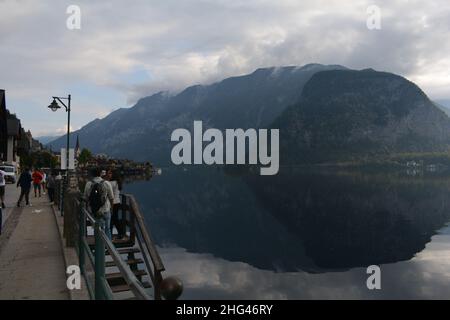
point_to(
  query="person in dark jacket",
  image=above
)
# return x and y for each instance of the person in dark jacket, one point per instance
(25, 185)
(51, 184)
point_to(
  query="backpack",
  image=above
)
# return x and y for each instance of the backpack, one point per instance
(97, 197)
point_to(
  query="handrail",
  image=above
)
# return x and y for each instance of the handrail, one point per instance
(88, 216)
(158, 266)
(137, 289)
(130, 278)
(171, 287)
(101, 286)
(157, 261)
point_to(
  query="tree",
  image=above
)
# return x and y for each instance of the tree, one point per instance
(85, 156)
(45, 159)
(39, 159)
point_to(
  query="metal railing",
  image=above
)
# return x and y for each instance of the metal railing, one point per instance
(99, 289)
(146, 244)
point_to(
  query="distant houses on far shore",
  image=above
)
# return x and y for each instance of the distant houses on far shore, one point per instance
(124, 166)
(15, 142)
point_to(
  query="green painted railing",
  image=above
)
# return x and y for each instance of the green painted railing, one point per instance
(99, 289)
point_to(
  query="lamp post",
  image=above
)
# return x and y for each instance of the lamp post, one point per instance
(54, 106)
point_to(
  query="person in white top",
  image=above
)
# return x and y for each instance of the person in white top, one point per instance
(58, 176)
(105, 210)
(44, 181)
(2, 187)
(116, 183)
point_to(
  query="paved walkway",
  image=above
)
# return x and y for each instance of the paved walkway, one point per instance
(31, 258)
(12, 194)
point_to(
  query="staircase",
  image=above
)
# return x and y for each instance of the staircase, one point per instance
(132, 256)
(127, 268)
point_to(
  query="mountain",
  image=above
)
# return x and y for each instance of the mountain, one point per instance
(348, 114)
(324, 113)
(444, 105)
(46, 139)
(350, 219)
(143, 131)
(444, 102)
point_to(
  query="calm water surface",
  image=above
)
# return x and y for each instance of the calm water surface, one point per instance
(301, 234)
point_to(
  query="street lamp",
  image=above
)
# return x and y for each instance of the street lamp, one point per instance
(54, 106)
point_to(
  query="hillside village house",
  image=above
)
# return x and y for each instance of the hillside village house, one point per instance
(14, 140)
(13, 136)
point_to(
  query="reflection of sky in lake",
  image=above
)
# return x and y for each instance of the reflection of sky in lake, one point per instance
(426, 276)
(300, 235)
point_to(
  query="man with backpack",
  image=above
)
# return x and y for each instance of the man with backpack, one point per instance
(99, 196)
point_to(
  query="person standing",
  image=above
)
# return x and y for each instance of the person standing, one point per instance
(2, 187)
(51, 184)
(37, 180)
(99, 196)
(25, 185)
(116, 184)
(44, 181)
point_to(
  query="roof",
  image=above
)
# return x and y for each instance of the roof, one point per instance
(2, 99)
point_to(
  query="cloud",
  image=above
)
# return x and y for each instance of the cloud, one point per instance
(180, 43)
(422, 277)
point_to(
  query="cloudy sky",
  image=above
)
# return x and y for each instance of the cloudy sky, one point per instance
(129, 49)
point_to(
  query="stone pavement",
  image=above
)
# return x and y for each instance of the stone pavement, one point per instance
(11, 195)
(31, 258)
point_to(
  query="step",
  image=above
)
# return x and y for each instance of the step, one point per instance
(126, 287)
(128, 250)
(91, 240)
(124, 242)
(116, 278)
(130, 262)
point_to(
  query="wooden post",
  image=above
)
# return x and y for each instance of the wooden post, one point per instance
(70, 218)
(71, 213)
(81, 236)
(99, 261)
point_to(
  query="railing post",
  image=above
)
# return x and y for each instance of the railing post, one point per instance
(61, 194)
(57, 194)
(81, 236)
(99, 261)
(157, 284)
(70, 217)
(124, 213)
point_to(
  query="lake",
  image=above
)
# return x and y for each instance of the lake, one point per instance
(302, 234)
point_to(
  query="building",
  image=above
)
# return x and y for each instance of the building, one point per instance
(3, 130)
(14, 141)
(13, 129)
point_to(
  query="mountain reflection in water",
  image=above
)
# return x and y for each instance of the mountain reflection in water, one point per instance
(301, 233)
